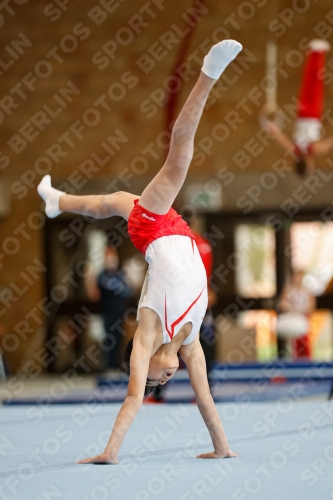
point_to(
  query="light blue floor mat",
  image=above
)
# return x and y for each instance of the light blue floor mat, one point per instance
(285, 448)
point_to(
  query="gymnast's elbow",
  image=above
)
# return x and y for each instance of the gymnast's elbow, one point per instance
(204, 400)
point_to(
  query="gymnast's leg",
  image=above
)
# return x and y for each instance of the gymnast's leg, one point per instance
(97, 206)
(161, 192)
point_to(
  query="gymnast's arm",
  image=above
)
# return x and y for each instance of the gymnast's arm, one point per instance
(139, 364)
(194, 358)
(323, 147)
(279, 136)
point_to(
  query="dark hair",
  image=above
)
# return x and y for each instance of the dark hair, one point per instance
(300, 166)
(126, 359)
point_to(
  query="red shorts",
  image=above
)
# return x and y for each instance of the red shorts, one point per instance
(301, 152)
(144, 226)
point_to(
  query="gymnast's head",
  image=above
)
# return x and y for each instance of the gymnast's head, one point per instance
(162, 367)
(305, 165)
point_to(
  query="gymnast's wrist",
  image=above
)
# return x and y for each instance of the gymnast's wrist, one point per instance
(221, 448)
(222, 451)
(111, 452)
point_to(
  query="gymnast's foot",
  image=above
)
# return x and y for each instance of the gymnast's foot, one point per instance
(318, 45)
(219, 56)
(50, 196)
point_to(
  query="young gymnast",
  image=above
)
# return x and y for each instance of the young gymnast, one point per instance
(174, 298)
(306, 144)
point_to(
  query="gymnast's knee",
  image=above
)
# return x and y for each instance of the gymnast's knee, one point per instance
(110, 200)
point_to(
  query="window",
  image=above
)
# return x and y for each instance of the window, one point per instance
(254, 260)
(312, 252)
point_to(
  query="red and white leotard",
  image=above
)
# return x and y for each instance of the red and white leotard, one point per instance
(206, 253)
(311, 99)
(307, 131)
(144, 226)
(176, 283)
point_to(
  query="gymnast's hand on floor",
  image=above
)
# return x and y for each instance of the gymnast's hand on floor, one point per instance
(102, 459)
(215, 454)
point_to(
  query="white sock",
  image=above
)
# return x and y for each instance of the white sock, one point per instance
(50, 196)
(219, 56)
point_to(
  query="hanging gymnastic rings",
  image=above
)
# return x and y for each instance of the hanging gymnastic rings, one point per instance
(271, 113)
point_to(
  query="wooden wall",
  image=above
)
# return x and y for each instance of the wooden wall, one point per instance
(83, 97)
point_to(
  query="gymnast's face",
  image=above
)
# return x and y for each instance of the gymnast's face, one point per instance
(161, 369)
